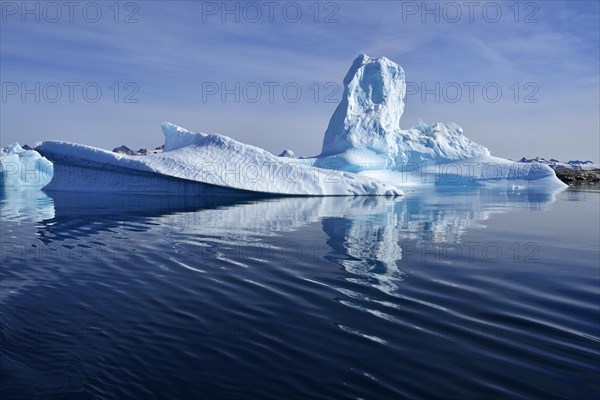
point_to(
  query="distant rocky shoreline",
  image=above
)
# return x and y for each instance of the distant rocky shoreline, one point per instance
(141, 152)
(573, 176)
(570, 172)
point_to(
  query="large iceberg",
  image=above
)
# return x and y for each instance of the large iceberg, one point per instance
(21, 167)
(365, 152)
(364, 136)
(198, 163)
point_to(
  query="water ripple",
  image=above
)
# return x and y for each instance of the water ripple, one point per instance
(119, 298)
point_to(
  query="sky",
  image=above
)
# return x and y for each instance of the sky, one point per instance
(521, 78)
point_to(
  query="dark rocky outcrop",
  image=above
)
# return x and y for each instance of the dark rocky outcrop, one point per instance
(124, 150)
(571, 176)
(141, 152)
(288, 153)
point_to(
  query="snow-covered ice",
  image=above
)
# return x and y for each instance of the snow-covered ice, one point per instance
(23, 168)
(198, 163)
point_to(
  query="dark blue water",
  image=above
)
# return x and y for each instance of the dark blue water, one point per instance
(462, 295)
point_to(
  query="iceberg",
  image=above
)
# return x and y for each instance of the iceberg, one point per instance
(23, 168)
(364, 152)
(364, 136)
(198, 164)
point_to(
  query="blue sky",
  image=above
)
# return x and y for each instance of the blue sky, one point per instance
(172, 52)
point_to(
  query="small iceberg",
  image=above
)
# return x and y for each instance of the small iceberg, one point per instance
(21, 167)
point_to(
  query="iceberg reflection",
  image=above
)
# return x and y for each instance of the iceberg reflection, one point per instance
(25, 204)
(365, 235)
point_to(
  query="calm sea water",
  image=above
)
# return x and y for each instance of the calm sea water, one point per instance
(462, 295)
